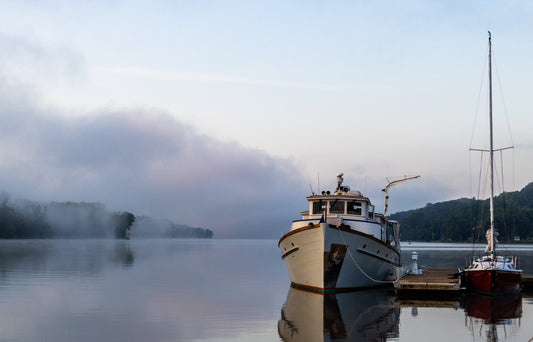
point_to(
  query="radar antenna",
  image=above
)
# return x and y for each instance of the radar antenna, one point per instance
(340, 180)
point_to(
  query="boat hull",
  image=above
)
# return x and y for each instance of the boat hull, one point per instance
(493, 281)
(325, 258)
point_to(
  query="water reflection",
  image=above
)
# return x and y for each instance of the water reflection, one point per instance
(356, 316)
(63, 257)
(491, 318)
(487, 318)
(213, 290)
(374, 315)
(123, 254)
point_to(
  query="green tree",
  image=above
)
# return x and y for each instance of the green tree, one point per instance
(123, 223)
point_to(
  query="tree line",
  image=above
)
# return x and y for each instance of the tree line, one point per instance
(147, 227)
(466, 219)
(23, 219)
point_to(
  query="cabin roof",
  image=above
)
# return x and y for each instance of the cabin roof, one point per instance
(339, 197)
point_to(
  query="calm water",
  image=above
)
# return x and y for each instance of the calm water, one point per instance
(224, 290)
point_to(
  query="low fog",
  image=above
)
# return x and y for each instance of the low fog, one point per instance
(145, 162)
(140, 160)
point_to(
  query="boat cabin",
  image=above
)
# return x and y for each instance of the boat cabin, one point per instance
(354, 204)
(348, 209)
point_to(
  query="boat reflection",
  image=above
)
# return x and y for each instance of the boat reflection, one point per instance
(490, 317)
(368, 315)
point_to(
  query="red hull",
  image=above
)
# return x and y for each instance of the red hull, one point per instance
(493, 281)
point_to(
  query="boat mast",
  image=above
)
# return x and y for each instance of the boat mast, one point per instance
(491, 155)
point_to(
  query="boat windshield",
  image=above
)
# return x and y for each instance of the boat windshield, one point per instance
(337, 207)
(318, 207)
(355, 208)
(371, 212)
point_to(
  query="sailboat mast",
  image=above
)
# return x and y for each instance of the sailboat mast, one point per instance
(491, 155)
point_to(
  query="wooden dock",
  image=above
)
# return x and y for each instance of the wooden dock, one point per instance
(431, 280)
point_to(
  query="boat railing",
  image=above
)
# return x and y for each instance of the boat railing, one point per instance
(470, 259)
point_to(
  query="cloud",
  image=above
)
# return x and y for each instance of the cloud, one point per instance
(149, 163)
(142, 160)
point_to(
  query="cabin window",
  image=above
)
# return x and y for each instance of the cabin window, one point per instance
(371, 212)
(354, 207)
(337, 207)
(390, 232)
(318, 207)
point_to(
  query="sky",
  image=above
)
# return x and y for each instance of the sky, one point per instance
(227, 114)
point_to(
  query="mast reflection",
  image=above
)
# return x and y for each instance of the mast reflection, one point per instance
(368, 315)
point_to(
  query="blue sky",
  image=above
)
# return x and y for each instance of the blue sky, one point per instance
(222, 114)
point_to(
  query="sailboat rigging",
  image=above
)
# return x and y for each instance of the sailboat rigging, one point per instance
(492, 273)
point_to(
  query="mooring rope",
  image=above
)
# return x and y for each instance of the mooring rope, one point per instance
(359, 267)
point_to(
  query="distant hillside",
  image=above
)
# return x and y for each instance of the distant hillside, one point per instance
(461, 219)
(147, 227)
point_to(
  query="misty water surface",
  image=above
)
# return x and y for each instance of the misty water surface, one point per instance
(217, 290)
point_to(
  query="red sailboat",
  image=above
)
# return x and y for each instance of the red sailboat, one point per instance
(492, 273)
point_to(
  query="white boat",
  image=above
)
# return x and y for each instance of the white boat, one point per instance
(492, 273)
(341, 243)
